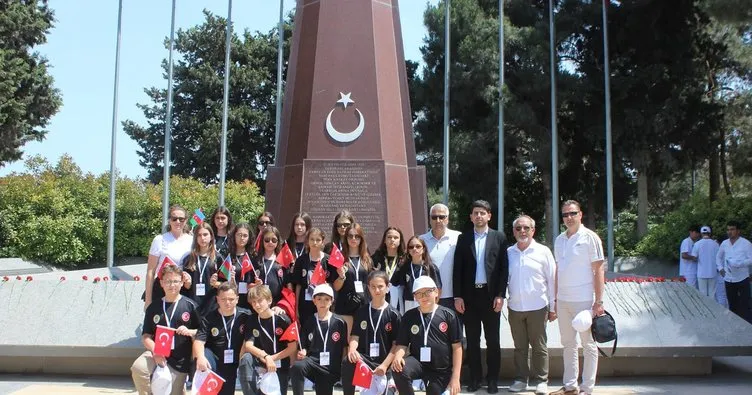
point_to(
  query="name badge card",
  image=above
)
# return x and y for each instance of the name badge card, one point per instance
(200, 289)
(242, 288)
(359, 286)
(278, 363)
(228, 356)
(425, 354)
(374, 350)
(324, 358)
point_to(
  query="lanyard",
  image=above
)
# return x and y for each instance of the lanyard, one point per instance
(370, 316)
(228, 333)
(202, 268)
(357, 268)
(267, 270)
(328, 326)
(174, 308)
(390, 267)
(298, 253)
(427, 326)
(274, 330)
(420, 272)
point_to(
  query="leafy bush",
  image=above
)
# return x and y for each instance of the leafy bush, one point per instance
(58, 215)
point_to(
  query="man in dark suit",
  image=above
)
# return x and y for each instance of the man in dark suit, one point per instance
(480, 284)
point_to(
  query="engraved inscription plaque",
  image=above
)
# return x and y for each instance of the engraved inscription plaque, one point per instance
(355, 185)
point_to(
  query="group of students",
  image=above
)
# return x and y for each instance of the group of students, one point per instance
(375, 312)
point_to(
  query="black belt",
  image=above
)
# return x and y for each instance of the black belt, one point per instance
(479, 286)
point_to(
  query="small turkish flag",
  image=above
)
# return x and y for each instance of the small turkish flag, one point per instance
(318, 276)
(336, 258)
(211, 385)
(257, 244)
(245, 265)
(287, 303)
(163, 340)
(165, 262)
(285, 257)
(291, 333)
(363, 375)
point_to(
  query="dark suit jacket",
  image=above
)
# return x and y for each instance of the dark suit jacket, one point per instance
(497, 265)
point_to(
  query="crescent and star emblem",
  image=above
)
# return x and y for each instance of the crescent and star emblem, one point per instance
(363, 369)
(212, 384)
(167, 337)
(350, 136)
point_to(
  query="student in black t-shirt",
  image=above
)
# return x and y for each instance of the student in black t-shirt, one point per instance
(323, 341)
(268, 353)
(417, 263)
(266, 266)
(201, 265)
(374, 334)
(174, 311)
(220, 337)
(304, 267)
(222, 225)
(432, 335)
(388, 258)
(241, 242)
(350, 282)
(301, 223)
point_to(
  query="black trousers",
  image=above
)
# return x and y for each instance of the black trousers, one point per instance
(311, 369)
(229, 372)
(436, 382)
(479, 310)
(348, 371)
(738, 298)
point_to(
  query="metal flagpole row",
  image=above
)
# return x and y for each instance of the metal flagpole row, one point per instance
(168, 126)
(113, 148)
(609, 154)
(280, 47)
(447, 60)
(500, 192)
(223, 146)
(554, 130)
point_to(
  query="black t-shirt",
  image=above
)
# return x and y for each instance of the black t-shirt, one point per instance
(346, 303)
(208, 301)
(303, 271)
(221, 245)
(213, 332)
(386, 330)
(249, 278)
(334, 331)
(184, 312)
(408, 272)
(388, 264)
(258, 330)
(443, 331)
(273, 275)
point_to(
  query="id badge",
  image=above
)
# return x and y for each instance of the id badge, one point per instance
(228, 356)
(172, 346)
(278, 363)
(243, 288)
(359, 286)
(374, 350)
(200, 289)
(425, 354)
(308, 295)
(324, 358)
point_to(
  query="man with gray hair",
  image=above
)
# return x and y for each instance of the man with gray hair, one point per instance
(441, 243)
(532, 272)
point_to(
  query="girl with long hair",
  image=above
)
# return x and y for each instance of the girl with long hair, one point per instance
(268, 270)
(221, 224)
(342, 221)
(201, 264)
(351, 280)
(241, 243)
(417, 263)
(301, 222)
(388, 258)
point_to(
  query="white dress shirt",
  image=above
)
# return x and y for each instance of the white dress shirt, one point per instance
(531, 277)
(442, 255)
(480, 257)
(735, 259)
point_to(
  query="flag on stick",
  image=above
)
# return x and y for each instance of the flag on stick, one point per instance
(226, 268)
(336, 258)
(163, 339)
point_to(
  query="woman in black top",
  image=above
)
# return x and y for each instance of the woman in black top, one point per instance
(388, 258)
(221, 224)
(351, 280)
(417, 263)
(342, 221)
(201, 264)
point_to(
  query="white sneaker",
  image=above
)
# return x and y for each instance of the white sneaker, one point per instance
(541, 389)
(518, 386)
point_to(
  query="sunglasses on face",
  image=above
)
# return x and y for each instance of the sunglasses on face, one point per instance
(521, 228)
(570, 214)
(353, 237)
(343, 225)
(441, 217)
(415, 247)
(270, 240)
(265, 223)
(177, 219)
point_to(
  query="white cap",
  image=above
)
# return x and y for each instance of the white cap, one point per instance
(269, 383)
(378, 386)
(325, 289)
(705, 229)
(161, 380)
(423, 282)
(582, 321)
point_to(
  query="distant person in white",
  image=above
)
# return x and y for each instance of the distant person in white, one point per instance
(705, 251)
(579, 287)
(688, 263)
(733, 261)
(441, 242)
(532, 272)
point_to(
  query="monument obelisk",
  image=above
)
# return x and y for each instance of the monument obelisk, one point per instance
(346, 138)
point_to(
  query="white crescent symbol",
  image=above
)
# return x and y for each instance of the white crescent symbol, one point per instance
(363, 369)
(163, 334)
(345, 137)
(212, 384)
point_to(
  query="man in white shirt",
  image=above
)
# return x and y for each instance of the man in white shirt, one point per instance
(579, 287)
(705, 251)
(441, 243)
(732, 261)
(688, 263)
(531, 294)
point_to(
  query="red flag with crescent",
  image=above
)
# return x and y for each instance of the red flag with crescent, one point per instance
(291, 333)
(211, 385)
(288, 303)
(319, 276)
(285, 257)
(163, 340)
(336, 258)
(363, 375)
(245, 265)
(165, 262)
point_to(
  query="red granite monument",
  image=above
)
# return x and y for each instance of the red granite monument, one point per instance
(346, 136)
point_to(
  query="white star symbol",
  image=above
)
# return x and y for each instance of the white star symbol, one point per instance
(345, 99)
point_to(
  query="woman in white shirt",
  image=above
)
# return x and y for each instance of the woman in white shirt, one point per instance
(175, 243)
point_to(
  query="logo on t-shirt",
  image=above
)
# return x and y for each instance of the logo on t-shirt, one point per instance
(387, 326)
(215, 332)
(242, 328)
(443, 327)
(156, 318)
(363, 325)
(414, 329)
(256, 333)
(186, 316)
(310, 336)
(335, 336)
(303, 272)
(278, 331)
(280, 273)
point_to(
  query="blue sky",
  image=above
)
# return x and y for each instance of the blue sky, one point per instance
(81, 51)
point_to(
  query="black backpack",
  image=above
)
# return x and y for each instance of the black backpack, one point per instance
(604, 331)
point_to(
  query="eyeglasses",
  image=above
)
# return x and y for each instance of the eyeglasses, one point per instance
(177, 219)
(521, 228)
(415, 247)
(270, 240)
(353, 237)
(227, 299)
(423, 294)
(570, 214)
(265, 223)
(343, 224)
(441, 217)
(172, 282)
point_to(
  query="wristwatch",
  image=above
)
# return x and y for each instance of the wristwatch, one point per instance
(600, 302)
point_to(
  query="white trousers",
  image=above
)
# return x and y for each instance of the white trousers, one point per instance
(706, 286)
(566, 313)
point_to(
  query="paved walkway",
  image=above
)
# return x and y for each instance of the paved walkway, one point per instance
(730, 375)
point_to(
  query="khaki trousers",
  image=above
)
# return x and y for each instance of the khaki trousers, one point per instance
(529, 329)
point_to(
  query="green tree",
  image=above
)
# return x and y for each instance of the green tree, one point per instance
(28, 98)
(197, 106)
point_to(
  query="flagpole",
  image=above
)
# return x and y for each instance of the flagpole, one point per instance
(554, 129)
(225, 100)
(113, 148)
(280, 53)
(500, 192)
(447, 59)
(609, 154)
(168, 126)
